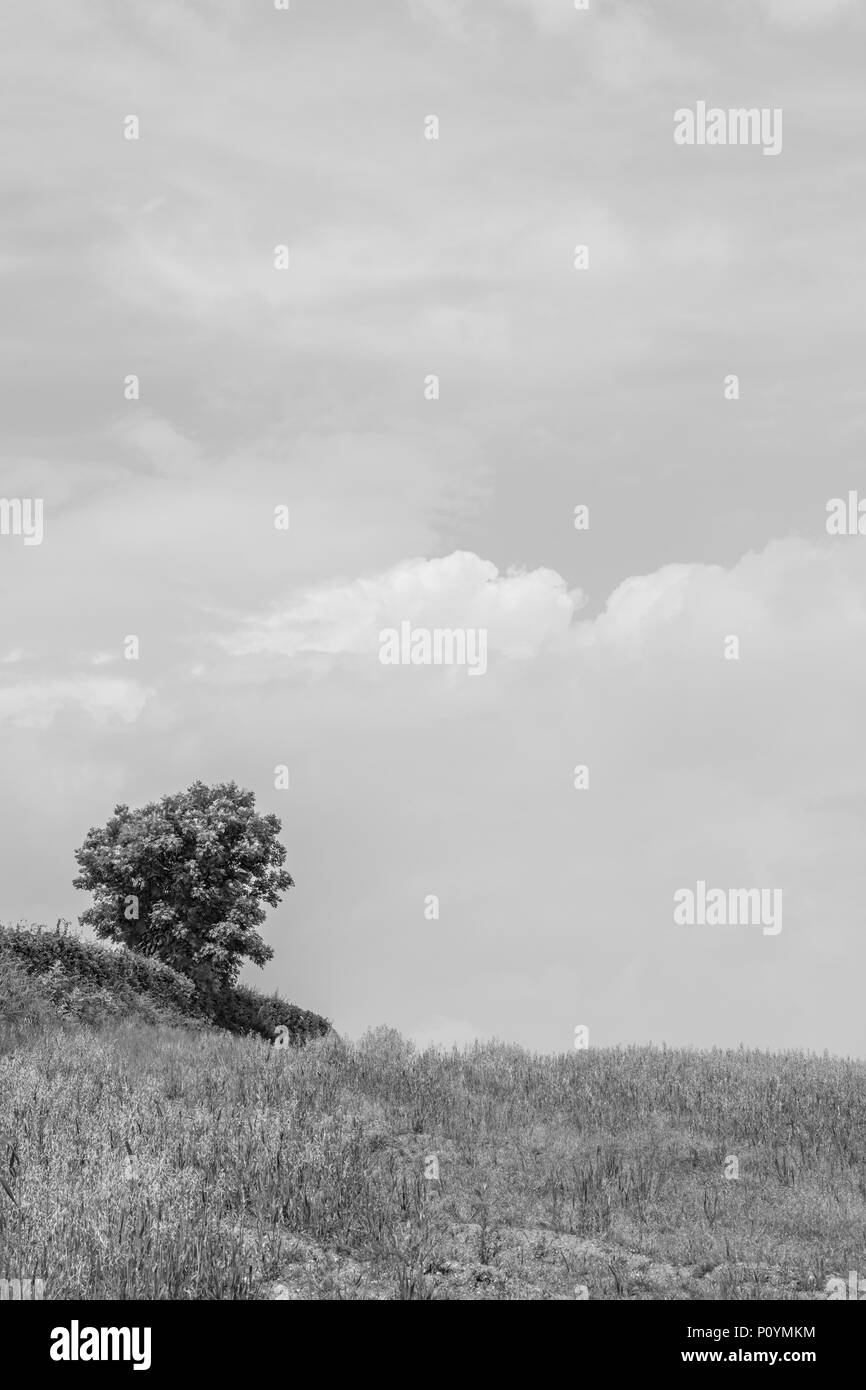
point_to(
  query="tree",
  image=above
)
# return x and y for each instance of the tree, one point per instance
(184, 879)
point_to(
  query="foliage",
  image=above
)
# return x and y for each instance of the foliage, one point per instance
(49, 975)
(58, 962)
(183, 879)
(163, 1163)
(244, 1010)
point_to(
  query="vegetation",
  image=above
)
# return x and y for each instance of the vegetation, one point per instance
(156, 1142)
(48, 976)
(183, 879)
(159, 1162)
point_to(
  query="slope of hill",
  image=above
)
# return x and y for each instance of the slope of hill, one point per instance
(164, 1162)
(46, 974)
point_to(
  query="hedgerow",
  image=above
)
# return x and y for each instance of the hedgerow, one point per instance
(50, 973)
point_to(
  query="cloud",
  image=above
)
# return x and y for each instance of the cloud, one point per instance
(796, 14)
(555, 904)
(640, 604)
(522, 611)
(305, 388)
(36, 705)
(790, 589)
(167, 451)
(551, 16)
(629, 19)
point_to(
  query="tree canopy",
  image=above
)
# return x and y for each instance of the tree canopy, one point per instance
(185, 879)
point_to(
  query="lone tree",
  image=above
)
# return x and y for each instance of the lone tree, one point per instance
(184, 879)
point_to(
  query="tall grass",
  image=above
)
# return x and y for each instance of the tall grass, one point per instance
(151, 1162)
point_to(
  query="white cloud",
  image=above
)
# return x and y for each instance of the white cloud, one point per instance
(552, 16)
(166, 449)
(522, 611)
(37, 705)
(641, 604)
(794, 14)
(306, 388)
(790, 588)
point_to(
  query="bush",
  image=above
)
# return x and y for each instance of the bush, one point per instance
(50, 974)
(23, 1009)
(61, 961)
(244, 1010)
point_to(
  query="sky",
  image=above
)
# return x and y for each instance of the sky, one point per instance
(742, 766)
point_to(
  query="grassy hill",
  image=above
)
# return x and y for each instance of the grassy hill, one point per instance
(157, 1161)
(52, 975)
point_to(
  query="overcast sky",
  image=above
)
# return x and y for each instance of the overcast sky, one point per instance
(558, 387)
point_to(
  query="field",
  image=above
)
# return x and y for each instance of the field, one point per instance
(151, 1161)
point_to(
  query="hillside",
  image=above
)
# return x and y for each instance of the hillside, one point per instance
(165, 1162)
(52, 975)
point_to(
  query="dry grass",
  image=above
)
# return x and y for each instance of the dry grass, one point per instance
(152, 1162)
